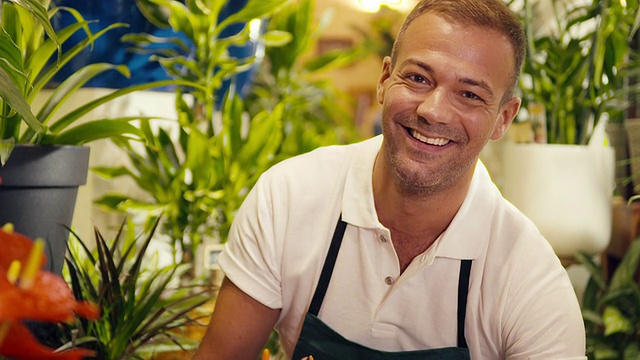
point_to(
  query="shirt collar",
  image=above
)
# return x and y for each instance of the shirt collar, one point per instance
(358, 207)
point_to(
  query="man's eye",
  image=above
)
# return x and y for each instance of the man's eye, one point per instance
(417, 78)
(472, 96)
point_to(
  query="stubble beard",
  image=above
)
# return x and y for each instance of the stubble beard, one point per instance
(420, 182)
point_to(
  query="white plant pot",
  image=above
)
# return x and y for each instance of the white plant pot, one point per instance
(566, 190)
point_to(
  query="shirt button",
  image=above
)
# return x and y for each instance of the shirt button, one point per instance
(383, 239)
(389, 280)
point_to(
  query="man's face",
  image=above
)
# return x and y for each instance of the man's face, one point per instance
(442, 101)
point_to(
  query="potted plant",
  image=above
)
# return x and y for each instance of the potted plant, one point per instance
(144, 310)
(570, 85)
(201, 176)
(42, 160)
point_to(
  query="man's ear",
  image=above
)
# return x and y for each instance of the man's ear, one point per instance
(508, 112)
(384, 75)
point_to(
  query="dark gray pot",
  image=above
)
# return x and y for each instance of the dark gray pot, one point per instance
(38, 194)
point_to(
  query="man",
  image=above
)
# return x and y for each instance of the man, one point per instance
(427, 260)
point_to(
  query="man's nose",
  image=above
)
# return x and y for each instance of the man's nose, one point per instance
(435, 106)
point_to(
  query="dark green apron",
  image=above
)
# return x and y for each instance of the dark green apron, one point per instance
(320, 341)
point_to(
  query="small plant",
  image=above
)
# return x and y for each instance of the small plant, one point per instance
(140, 310)
(611, 308)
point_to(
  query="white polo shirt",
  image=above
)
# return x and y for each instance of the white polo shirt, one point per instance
(521, 304)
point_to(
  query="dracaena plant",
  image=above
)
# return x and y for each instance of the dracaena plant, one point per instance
(31, 54)
(197, 179)
(142, 309)
(202, 53)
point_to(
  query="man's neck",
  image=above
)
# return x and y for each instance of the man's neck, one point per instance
(414, 217)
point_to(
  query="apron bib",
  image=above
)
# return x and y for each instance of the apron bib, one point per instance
(323, 343)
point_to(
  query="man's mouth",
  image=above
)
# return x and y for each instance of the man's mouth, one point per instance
(428, 140)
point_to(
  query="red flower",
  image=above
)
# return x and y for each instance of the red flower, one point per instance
(42, 297)
(20, 344)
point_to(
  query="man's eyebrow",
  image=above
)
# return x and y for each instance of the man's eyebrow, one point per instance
(478, 83)
(418, 63)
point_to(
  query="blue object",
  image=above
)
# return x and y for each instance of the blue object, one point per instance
(109, 48)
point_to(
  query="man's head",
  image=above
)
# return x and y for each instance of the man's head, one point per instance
(491, 14)
(447, 91)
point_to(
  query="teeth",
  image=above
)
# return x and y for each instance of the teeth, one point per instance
(430, 141)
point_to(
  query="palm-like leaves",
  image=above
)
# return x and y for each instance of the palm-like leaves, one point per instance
(139, 308)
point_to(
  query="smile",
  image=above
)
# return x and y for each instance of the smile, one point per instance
(428, 140)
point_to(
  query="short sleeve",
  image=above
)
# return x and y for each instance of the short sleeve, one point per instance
(249, 258)
(543, 318)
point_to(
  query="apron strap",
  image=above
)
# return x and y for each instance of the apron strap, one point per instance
(463, 289)
(327, 268)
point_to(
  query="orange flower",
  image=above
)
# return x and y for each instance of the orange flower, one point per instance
(29, 293)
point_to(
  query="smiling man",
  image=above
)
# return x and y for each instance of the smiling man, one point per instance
(401, 246)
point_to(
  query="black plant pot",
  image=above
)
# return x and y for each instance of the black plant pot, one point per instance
(38, 194)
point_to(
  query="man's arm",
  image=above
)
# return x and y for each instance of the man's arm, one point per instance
(239, 327)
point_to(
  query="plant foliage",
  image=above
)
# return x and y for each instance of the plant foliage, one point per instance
(198, 178)
(578, 66)
(611, 308)
(139, 307)
(316, 112)
(30, 56)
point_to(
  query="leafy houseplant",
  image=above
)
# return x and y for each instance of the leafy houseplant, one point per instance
(198, 178)
(577, 68)
(317, 113)
(572, 81)
(611, 308)
(141, 312)
(30, 55)
(221, 151)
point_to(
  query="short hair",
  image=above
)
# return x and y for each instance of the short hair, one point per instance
(492, 14)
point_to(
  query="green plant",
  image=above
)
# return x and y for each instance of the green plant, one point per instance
(198, 181)
(316, 112)
(140, 310)
(204, 58)
(611, 308)
(198, 178)
(380, 34)
(577, 65)
(30, 55)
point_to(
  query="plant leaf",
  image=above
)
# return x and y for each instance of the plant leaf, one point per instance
(616, 322)
(627, 267)
(74, 82)
(95, 130)
(40, 12)
(254, 9)
(10, 93)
